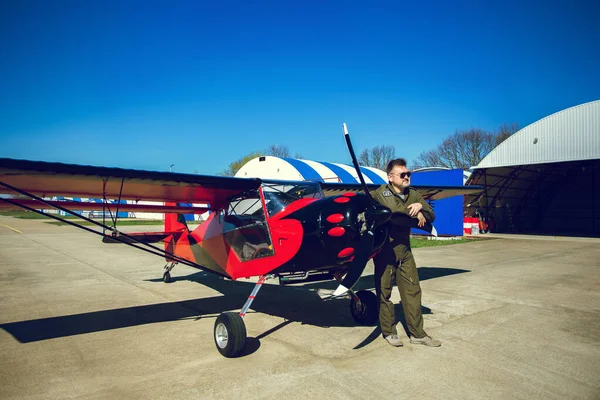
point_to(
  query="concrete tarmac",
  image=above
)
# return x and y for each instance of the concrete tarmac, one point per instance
(79, 319)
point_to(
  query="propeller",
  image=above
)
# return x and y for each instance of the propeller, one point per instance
(374, 216)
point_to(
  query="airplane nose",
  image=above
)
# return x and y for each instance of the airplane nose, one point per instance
(375, 215)
(378, 214)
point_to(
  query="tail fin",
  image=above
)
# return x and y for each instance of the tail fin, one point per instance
(174, 223)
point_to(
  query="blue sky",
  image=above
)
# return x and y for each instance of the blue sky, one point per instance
(199, 84)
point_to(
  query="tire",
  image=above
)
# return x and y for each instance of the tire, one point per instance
(167, 277)
(364, 311)
(229, 334)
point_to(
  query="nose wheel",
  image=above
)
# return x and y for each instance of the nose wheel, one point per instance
(363, 307)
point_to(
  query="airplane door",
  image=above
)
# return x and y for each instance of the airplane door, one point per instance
(245, 228)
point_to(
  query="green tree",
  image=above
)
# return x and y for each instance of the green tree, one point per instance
(235, 166)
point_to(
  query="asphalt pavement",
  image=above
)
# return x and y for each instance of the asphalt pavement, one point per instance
(79, 319)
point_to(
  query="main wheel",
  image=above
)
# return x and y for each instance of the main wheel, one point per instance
(167, 277)
(230, 334)
(364, 310)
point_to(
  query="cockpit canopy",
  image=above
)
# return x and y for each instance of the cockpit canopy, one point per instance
(244, 223)
(279, 195)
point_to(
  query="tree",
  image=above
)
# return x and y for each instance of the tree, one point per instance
(278, 151)
(272, 150)
(235, 166)
(464, 149)
(377, 157)
(505, 131)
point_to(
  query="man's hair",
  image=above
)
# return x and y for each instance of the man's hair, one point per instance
(398, 162)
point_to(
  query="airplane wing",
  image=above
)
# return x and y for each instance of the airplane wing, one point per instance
(46, 179)
(428, 192)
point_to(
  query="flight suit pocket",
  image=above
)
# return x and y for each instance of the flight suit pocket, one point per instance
(408, 271)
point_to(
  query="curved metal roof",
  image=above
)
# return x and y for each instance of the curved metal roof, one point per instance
(270, 167)
(568, 135)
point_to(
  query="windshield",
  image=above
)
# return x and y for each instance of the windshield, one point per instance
(278, 196)
(246, 205)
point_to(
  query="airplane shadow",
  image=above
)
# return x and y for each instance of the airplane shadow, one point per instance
(292, 303)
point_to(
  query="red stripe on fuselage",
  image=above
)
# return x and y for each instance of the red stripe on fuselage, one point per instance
(293, 207)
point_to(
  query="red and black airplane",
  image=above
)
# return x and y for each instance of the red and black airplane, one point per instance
(296, 231)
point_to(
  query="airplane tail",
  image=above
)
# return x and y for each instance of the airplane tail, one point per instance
(177, 226)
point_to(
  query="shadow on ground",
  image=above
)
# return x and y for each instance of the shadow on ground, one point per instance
(293, 303)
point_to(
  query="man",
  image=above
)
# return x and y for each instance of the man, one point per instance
(395, 262)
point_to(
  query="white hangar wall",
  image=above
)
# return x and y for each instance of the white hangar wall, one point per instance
(269, 167)
(569, 135)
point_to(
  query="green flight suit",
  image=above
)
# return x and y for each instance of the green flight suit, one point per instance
(396, 263)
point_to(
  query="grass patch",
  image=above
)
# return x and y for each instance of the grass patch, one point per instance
(34, 215)
(120, 222)
(27, 215)
(415, 243)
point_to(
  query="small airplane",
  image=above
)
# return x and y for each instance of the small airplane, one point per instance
(296, 231)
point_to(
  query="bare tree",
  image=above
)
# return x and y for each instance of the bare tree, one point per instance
(278, 151)
(377, 157)
(461, 150)
(505, 131)
(464, 149)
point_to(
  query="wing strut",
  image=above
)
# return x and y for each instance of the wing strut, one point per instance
(106, 204)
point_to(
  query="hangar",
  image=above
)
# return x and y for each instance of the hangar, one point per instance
(545, 178)
(270, 167)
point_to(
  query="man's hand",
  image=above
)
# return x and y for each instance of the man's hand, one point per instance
(414, 208)
(421, 219)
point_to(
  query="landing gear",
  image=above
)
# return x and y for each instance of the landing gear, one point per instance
(230, 331)
(167, 275)
(363, 307)
(230, 334)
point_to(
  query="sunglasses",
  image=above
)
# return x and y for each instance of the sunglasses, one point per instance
(403, 175)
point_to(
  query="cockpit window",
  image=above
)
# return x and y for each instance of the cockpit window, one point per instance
(245, 227)
(278, 196)
(248, 204)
